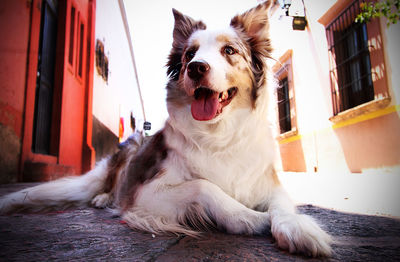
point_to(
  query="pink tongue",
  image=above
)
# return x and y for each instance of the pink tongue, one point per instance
(205, 107)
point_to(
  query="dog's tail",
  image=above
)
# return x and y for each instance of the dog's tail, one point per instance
(60, 194)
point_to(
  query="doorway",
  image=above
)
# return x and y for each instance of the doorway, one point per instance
(44, 94)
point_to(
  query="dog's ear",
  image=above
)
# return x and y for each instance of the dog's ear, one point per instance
(253, 26)
(183, 29)
(254, 22)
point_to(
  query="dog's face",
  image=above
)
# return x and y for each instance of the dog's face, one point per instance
(214, 72)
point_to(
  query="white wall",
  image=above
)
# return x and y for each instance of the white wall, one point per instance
(391, 38)
(310, 64)
(120, 95)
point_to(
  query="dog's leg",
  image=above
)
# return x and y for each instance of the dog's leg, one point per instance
(174, 207)
(295, 232)
(102, 200)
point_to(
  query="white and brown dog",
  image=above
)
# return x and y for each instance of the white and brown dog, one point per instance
(212, 165)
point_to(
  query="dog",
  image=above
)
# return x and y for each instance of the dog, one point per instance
(212, 165)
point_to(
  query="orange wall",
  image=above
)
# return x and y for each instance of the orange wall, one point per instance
(371, 144)
(292, 156)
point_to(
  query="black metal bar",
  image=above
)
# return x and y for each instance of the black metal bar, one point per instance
(348, 51)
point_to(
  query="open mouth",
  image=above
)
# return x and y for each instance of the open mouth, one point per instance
(208, 104)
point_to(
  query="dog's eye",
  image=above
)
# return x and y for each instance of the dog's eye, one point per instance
(189, 55)
(229, 50)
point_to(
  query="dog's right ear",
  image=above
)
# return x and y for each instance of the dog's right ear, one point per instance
(183, 29)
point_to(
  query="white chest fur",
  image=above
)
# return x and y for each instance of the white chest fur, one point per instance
(237, 160)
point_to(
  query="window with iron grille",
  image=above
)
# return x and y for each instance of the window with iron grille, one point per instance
(350, 66)
(284, 106)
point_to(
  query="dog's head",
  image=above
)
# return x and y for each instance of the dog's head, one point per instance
(214, 72)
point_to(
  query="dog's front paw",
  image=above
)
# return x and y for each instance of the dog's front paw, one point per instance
(300, 234)
(102, 200)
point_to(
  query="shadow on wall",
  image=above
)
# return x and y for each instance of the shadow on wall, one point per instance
(104, 141)
(371, 144)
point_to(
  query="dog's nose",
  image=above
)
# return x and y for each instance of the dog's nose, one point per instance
(197, 69)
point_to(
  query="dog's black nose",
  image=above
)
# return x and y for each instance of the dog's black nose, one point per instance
(197, 69)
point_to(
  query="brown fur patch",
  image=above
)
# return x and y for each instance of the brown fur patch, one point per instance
(231, 60)
(193, 45)
(239, 46)
(142, 168)
(223, 38)
(230, 78)
(116, 162)
(241, 77)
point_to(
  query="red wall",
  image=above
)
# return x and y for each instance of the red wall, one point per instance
(14, 24)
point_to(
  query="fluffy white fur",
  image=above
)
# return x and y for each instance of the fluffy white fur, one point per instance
(62, 193)
(217, 172)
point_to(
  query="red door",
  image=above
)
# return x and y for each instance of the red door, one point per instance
(76, 111)
(66, 146)
(73, 91)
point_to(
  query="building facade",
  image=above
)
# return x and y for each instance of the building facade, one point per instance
(46, 86)
(117, 100)
(67, 82)
(339, 92)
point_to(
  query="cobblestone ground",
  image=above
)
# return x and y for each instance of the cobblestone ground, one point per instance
(89, 234)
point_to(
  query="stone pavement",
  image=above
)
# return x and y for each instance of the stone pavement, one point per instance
(88, 234)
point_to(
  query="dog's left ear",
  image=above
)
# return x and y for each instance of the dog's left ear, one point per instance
(254, 23)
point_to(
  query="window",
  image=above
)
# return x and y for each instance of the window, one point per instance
(350, 64)
(77, 43)
(71, 37)
(284, 106)
(81, 41)
(286, 112)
